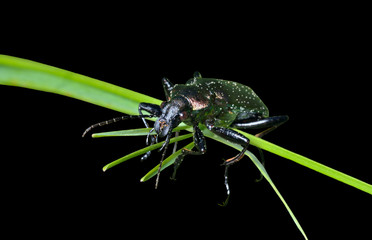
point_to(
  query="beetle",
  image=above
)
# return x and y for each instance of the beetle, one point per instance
(218, 104)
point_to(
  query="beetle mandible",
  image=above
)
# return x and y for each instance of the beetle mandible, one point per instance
(218, 104)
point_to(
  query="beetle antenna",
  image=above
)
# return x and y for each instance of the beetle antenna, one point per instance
(165, 145)
(114, 120)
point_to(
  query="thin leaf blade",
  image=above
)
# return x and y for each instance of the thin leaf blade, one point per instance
(304, 161)
(166, 163)
(134, 132)
(262, 169)
(143, 151)
(29, 74)
(123, 133)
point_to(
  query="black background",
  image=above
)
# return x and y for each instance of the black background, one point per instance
(310, 67)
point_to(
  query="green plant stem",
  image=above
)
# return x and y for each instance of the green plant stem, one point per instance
(144, 150)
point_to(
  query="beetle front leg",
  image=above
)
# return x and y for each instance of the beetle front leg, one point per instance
(200, 146)
(232, 136)
(168, 86)
(156, 111)
(151, 108)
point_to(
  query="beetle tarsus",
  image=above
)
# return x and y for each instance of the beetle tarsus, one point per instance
(146, 156)
(262, 160)
(176, 165)
(224, 204)
(153, 140)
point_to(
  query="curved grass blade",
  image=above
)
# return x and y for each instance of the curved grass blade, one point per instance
(29, 74)
(267, 177)
(144, 150)
(166, 163)
(124, 133)
(304, 161)
(262, 169)
(133, 132)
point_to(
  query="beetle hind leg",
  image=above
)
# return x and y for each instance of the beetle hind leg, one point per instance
(270, 123)
(224, 204)
(262, 160)
(233, 136)
(237, 157)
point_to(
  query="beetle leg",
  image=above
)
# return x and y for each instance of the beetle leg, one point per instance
(156, 111)
(153, 109)
(262, 160)
(224, 204)
(200, 146)
(197, 75)
(271, 123)
(234, 137)
(168, 86)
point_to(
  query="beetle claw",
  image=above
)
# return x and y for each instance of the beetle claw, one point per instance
(162, 147)
(146, 156)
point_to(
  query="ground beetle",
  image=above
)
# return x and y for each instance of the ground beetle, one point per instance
(218, 104)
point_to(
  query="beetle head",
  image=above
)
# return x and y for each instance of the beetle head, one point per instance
(171, 117)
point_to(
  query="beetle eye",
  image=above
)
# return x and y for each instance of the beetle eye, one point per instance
(162, 105)
(183, 115)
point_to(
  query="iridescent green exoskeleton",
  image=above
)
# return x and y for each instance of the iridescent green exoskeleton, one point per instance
(219, 105)
(218, 102)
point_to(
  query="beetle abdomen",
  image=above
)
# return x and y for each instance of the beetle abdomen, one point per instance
(239, 99)
(219, 101)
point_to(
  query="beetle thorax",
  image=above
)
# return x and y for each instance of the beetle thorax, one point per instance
(170, 117)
